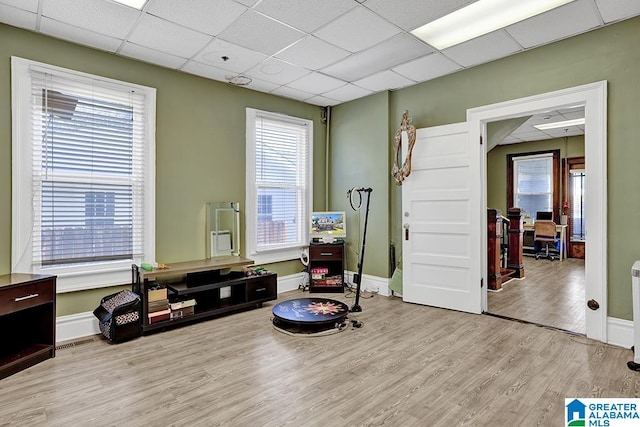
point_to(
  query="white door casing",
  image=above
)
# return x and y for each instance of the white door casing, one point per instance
(594, 98)
(441, 202)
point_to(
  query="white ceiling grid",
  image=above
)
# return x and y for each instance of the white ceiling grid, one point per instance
(321, 52)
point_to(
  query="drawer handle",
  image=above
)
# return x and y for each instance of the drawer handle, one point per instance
(326, 253)
(261, 289)
(26, 297)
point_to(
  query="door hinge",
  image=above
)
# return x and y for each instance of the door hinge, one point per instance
(481, 283)
(480, 139)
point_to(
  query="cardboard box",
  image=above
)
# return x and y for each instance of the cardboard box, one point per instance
(156, 294)
(177, 314)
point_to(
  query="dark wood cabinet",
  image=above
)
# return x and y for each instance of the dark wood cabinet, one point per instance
(212, 283)
(326, 267)
(27, 321)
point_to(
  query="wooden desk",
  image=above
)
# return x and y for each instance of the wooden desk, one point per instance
(561, 230)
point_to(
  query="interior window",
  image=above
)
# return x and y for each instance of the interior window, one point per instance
(533, 183)
(577, 205)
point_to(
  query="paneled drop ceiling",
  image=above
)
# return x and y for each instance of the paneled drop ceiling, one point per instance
(323, 52)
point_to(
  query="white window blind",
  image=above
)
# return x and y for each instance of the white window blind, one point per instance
(533, 183)
(88, 172)
(279, 193)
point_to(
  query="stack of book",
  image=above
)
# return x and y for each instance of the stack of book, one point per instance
(182, 308)
(158, 308)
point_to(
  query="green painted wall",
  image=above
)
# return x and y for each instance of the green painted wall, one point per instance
(611, 54)
(359, 158)
(200, 146)
(497, 164)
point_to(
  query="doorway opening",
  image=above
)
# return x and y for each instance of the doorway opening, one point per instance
(593, 98)
(549, 290)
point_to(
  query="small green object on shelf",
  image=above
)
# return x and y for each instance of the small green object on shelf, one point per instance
(146, 266)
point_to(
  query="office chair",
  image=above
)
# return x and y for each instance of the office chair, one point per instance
(544, 232)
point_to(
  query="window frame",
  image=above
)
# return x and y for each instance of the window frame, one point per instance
(92, 275)
(555, 197)
(293, 250)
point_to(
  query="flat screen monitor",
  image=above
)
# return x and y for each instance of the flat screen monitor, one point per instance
(544, 216)
(328, 226)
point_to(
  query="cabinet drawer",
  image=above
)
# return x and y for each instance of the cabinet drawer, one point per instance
(18, 298)
(324, 252)
(262, 288)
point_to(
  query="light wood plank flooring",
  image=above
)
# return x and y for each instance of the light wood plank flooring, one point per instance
(552, 294)
(408, 365)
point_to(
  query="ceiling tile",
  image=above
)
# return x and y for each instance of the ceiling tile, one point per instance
(99, 16)
(210, 17)
(18, 17)
(304, 15)
(30, 5)
(208, 71)
(261, 85)
(247, 3)
(316, 83)
(276, 71)
(288, 92)
(427, 68)
(482, 49)
(152, 56)
(563, 132)
(357, 29)
(410, 14)
(168, 37)
(396, 50)
(348, 93)
(322, 101)
(312, 53)
(386, 80)
(565, 21)
(79, 35)
(257, 32)
(239, 58)
(619, 9)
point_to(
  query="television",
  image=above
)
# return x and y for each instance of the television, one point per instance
(328, 226)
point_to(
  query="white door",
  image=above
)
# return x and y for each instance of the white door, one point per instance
(441, 215)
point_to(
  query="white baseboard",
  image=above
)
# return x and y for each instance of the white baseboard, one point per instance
(371, 283)
(620, 332)
(76, 326)
(290, 282)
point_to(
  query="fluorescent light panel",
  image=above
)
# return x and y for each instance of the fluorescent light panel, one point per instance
(137, 4)
(479, 18)
(556, 125)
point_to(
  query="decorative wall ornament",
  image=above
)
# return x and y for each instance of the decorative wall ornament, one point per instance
(400, 173)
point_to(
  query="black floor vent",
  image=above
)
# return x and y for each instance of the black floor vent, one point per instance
(74, 343)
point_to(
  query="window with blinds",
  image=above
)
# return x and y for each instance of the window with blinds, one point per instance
(278, 184)
(533, 183)
(86, 142)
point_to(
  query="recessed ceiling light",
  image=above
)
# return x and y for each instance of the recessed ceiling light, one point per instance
(479, 18)
(137, 4)
(563, 124)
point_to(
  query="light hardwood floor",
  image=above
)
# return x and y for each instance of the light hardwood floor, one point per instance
(408, 365)
(552, 294)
